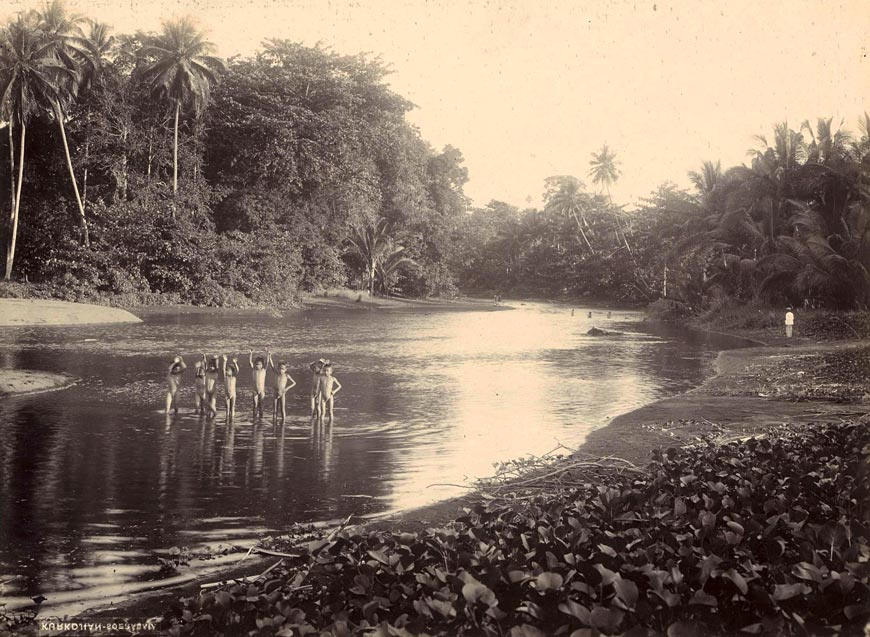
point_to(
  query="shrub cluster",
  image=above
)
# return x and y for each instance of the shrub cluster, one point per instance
(756, 537)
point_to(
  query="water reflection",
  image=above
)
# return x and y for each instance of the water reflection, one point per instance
(95, 480)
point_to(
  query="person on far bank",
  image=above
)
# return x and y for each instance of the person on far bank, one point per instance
(283, 383)
(789, 322)
(231, 375)
(173, 378)
(258, 374)
(327, 387)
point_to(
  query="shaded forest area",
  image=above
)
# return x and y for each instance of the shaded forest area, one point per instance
(141, 169)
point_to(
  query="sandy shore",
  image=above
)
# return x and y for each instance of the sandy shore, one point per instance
(23, 381)
(36, 312)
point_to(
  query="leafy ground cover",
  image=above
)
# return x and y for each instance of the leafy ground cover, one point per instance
(841, 376)
(761, 536)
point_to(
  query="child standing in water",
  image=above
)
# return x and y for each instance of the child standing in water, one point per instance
(283, 384)
(258, 373)
(200, 385)
(173, 378)
(327, 387)
(211, 384)
(231, 374)
(316, 370)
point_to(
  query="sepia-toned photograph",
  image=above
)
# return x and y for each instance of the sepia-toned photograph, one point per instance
(434, 318)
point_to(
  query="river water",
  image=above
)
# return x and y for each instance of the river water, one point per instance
(95, 482)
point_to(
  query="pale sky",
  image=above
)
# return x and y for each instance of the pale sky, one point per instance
(529, 89)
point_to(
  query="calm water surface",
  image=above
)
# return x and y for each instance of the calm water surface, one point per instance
(95, 482)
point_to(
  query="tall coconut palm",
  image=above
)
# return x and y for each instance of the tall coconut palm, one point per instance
(771, 182)
(180, 72)
(30, 77)
(603, 168)
(62, 36)
(95, 46)
(604, 171)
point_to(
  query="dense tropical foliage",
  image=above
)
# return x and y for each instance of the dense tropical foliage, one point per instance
(791, 226)
(188, 178)
(212, 182)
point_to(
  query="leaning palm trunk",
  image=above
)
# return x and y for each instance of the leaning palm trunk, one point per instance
(10, 253)
(583, 234)
(11, 173)
(85, 238)
(175, 149)
(175, 160)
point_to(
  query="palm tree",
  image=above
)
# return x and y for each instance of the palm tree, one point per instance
(707, 181)
(181, 73)
(62, 37)
(570, 200)
(392, 259)
(771, 182)
(30, 77)
(95, 45)
(603, 168)
(604, 171)
(369, 243)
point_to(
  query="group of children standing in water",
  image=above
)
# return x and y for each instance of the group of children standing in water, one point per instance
(209, 370)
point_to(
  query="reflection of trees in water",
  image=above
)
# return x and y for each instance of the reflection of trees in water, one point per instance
(227, 465)
(33, 456)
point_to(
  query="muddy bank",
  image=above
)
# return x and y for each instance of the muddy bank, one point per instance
(37, 312)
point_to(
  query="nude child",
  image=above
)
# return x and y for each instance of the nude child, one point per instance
(211, 383)
(173, 378)
(327, 387)
(231, 375)
(258, 373)
(283, 384)
(199, 372)
(316, 370)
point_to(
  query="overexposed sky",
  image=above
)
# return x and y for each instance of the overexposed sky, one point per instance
(529, 89)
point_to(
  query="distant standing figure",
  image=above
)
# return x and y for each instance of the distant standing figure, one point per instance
(789, 323)
(231, 375)
(589, 315)
(200, 386)
(608, 314)
(283, 383)
(172, 379)
(327, 387)
(258, 373)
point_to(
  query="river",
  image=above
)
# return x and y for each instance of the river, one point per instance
(95, 482)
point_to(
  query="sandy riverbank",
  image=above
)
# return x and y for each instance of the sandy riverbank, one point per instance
(36, 313)
(39, 312)
(24, 381)
(725, 406)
